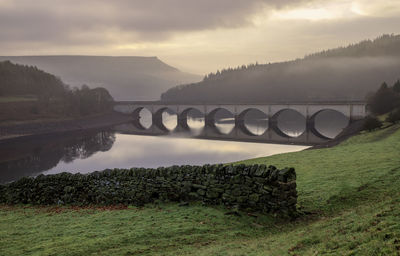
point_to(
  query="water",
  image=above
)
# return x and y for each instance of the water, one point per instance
(91, 151)
(155, 151)
(256, 122)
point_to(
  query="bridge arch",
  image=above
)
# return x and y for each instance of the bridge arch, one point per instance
(137, 118)
(252, 126)
(294, 119)
(158, 119)
(183, 117)
(340, 122)
(314, 109)
(222, 115)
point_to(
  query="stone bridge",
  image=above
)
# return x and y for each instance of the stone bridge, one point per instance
(352, 110)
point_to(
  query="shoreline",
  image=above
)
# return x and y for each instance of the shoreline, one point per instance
(9, 133)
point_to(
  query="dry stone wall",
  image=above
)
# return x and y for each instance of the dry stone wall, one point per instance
(250, 187)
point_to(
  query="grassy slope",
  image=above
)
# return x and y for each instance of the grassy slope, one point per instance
(352, 194)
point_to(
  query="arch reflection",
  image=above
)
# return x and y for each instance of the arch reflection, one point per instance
(195, 120)
(143, 118)
(329, 123)
(255, 122)
(224, 120)
(166, 119)
(290, 123)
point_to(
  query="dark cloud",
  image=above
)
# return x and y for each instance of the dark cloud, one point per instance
(74, 21)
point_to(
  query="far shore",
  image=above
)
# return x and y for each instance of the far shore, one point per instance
(13, 131)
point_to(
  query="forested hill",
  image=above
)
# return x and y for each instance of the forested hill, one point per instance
(126, 78)
(27, 80)
(345, 73)
(27, 92)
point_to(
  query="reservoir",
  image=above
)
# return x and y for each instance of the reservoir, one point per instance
(99, 150)
(89, 151)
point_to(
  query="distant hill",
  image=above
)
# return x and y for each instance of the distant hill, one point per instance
(27, 92)
(345, 73)
(126, 78)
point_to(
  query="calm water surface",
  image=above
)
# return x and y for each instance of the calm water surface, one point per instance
(148, 151)
(90, 151)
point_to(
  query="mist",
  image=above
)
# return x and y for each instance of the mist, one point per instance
(341, 74)
(126, 78)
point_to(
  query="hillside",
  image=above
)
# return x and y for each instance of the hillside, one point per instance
(126, 78)
(23, 80)
(28, 93)
(349, 194)
(345, 73)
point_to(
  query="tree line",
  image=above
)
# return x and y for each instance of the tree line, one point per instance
(345, 73)
(51, 93)
(386, 100)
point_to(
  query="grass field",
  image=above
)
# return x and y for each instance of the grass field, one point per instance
(350, 196)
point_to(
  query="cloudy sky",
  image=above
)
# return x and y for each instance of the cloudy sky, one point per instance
(198, 36)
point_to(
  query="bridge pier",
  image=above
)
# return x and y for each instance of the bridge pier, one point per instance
(182, 122)
(157, 122)
(209, 121)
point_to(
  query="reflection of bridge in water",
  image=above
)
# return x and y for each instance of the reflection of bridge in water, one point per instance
(352, 110)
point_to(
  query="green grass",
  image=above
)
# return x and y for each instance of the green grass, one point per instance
(350, 196)
(336, 173)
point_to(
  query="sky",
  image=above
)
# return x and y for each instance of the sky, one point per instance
(192, 35)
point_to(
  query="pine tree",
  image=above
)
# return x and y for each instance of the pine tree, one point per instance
(396, 86)
(384, 100)
(383, 87)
